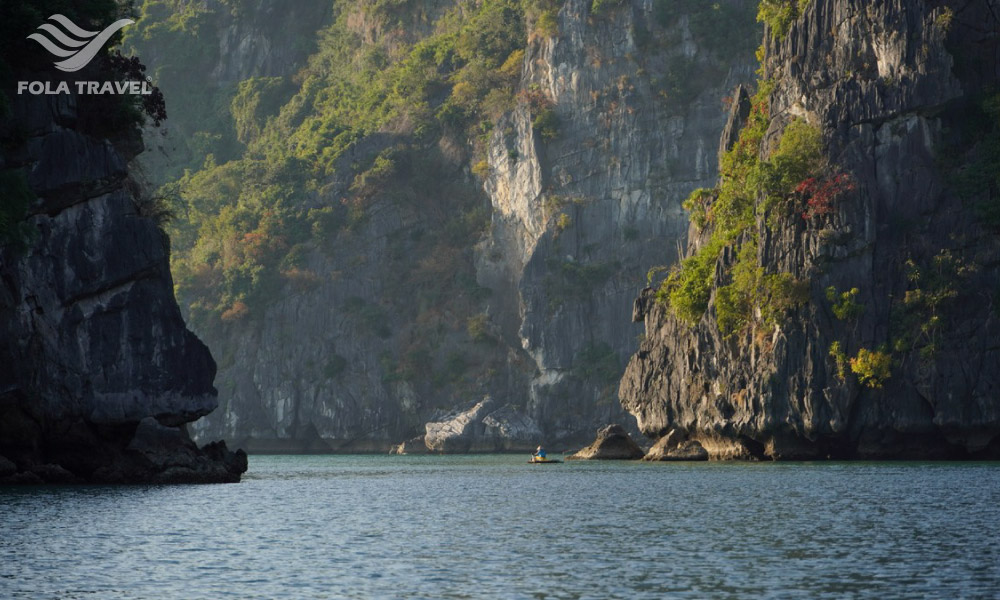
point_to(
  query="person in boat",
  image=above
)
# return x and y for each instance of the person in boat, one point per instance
(540, 453)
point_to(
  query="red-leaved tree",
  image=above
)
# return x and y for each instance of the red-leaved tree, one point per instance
(821, 193)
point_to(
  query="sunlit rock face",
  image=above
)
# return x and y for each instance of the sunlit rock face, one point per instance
(579, 218)
(894, 87)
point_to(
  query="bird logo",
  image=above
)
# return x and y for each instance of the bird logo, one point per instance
(73, 43)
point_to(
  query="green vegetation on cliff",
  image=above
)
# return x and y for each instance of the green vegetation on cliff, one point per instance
(392, 93)
(348, 192)
(728, 210)
(778, 15)
(872, 367)
(246, 221)
(749, 295)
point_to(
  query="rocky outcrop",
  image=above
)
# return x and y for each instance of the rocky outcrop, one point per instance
(458, 432)
(612, 443)
(99, 373)
(894, 87)
(416, 445)
(676, 447)
(483, 428)
(170, 455)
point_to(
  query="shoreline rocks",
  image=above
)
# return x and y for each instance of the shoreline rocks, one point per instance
(482, 428)
(612, 443)
(688, 450)
(415, 445)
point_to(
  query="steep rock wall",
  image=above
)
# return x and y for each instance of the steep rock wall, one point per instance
(892, 85)
(372, 340)
(578, 219)
(99, 374)
(198, 54)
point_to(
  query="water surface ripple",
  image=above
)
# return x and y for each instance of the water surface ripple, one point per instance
(496, 527)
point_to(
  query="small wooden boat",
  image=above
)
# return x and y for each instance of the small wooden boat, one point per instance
(537, 460)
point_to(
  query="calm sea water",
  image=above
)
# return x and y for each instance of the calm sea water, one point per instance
(496, 527)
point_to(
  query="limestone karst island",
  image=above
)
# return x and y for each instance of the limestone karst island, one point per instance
(550, 299)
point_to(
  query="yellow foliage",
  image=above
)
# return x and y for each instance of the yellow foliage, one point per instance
(872, 368)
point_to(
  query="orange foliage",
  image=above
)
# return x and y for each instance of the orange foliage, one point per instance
(236, 312)
(301, 279)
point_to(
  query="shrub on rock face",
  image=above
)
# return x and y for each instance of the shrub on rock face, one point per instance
(599, 8)
(844, 304)
(689, 286)
(799, 155)
(546, 123)
(547, 24)
(698, 203)
(822, 193)
(778, 15)
(839, 359)
(236, 312)
(481, 169)
(873, 368)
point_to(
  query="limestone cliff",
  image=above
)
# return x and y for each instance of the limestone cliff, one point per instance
(575, 217)
(199, 53)
(890, 351)
(498, 264)
(98, 373)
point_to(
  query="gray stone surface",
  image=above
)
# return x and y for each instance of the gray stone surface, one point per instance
(483, 428)
(619, 169)
(510, 430)
(91, 339)
(612, 443)
(885, 81)
(458, 432)
(622, 163)
(666, 450)
(416, 445)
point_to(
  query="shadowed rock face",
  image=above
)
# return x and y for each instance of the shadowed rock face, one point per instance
(98, 373)
(889, 83)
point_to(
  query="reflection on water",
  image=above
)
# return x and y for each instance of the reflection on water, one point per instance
(496, 527)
